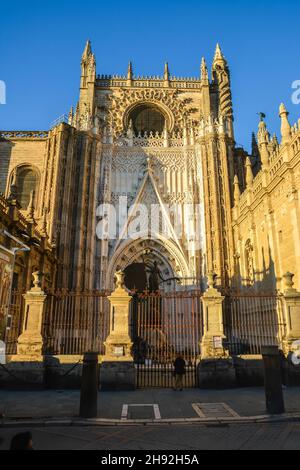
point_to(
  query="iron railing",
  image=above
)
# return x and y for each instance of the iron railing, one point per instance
(75, 322)
(253, 321)
(164, 326)
(16, 312)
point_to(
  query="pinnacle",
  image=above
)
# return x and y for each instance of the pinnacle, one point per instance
(87, 50)
(282, 109)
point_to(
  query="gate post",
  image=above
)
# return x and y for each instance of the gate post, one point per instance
(215, 369)
(117, 368)
(30, 343)
(291, 310)
(213, 337)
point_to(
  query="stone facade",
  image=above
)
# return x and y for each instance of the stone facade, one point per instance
(247, 225)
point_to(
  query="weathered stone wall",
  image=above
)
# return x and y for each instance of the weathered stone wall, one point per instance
(267, 217)
(17, 152)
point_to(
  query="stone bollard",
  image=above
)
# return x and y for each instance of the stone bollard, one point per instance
(89, 386)
(273, 381)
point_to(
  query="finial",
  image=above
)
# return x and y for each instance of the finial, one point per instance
(254, 146)
(130, 71)
(87, 50)
(249, 173)
(211, 279)
(37, 281)
(262, 116)
(204, 72)
(285, 125)
(219, 57)
(263, 134)
(166, 72)
(120, 277)
(237, 191)
(70, 117)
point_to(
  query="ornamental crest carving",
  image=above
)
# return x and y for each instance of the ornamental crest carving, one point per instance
(176, 111)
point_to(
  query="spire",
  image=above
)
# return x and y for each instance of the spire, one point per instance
(70, 117)
(219, 57)
(166, 72)
(263, 138)
(255, 151)
(87, 51)
(30, 208)
(204, 72)
(249, 173)
(130, 71)
(285, 125)
(237, 191)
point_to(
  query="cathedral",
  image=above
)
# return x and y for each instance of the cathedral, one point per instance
(144, 176)
(164, 142)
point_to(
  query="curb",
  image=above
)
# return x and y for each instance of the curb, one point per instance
(98, 422)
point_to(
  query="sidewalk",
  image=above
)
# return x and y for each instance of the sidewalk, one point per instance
(172, 406)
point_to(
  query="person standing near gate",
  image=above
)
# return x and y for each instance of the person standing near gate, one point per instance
(179, 373)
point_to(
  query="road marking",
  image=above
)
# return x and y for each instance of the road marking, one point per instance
(214, 410)
(125, 411)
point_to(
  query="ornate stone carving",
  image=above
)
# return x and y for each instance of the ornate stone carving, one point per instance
(176, 110)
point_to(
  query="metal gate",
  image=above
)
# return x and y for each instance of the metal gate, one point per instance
(164, 326)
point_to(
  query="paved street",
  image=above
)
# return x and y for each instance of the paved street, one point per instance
(172, 405)
(284, 436)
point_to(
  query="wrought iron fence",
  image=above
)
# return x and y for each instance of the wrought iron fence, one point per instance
(164, 326)
(253, 321)
(16, 312)
(75, 322)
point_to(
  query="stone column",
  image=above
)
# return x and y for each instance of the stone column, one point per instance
(117, 368)
(215, 369)
(291, 313)
(30, 343)
(118, 344)
(212, 341)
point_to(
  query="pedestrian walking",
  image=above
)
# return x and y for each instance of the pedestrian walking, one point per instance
(179, 373)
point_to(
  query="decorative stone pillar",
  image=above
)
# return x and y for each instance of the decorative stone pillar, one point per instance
(291, 312)
(30, 343)
(213, 338)
(117, 368)
(118, 344)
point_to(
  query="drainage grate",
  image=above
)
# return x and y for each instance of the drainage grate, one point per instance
(214, 410)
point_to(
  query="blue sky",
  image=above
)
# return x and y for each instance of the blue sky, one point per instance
(41, 45)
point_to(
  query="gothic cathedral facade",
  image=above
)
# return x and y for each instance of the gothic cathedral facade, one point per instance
(134, 146)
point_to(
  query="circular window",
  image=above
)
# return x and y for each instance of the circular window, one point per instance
(146, 118)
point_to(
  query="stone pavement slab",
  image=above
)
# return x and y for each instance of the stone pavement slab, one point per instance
(47, 404)
(285, 436)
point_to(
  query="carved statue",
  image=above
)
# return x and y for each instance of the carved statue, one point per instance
(120, 276)
(154, 276)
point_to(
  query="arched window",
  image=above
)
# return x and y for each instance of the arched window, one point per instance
(27, 181)
(147, 118)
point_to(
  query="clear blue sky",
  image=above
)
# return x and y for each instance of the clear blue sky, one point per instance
(41, 45)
